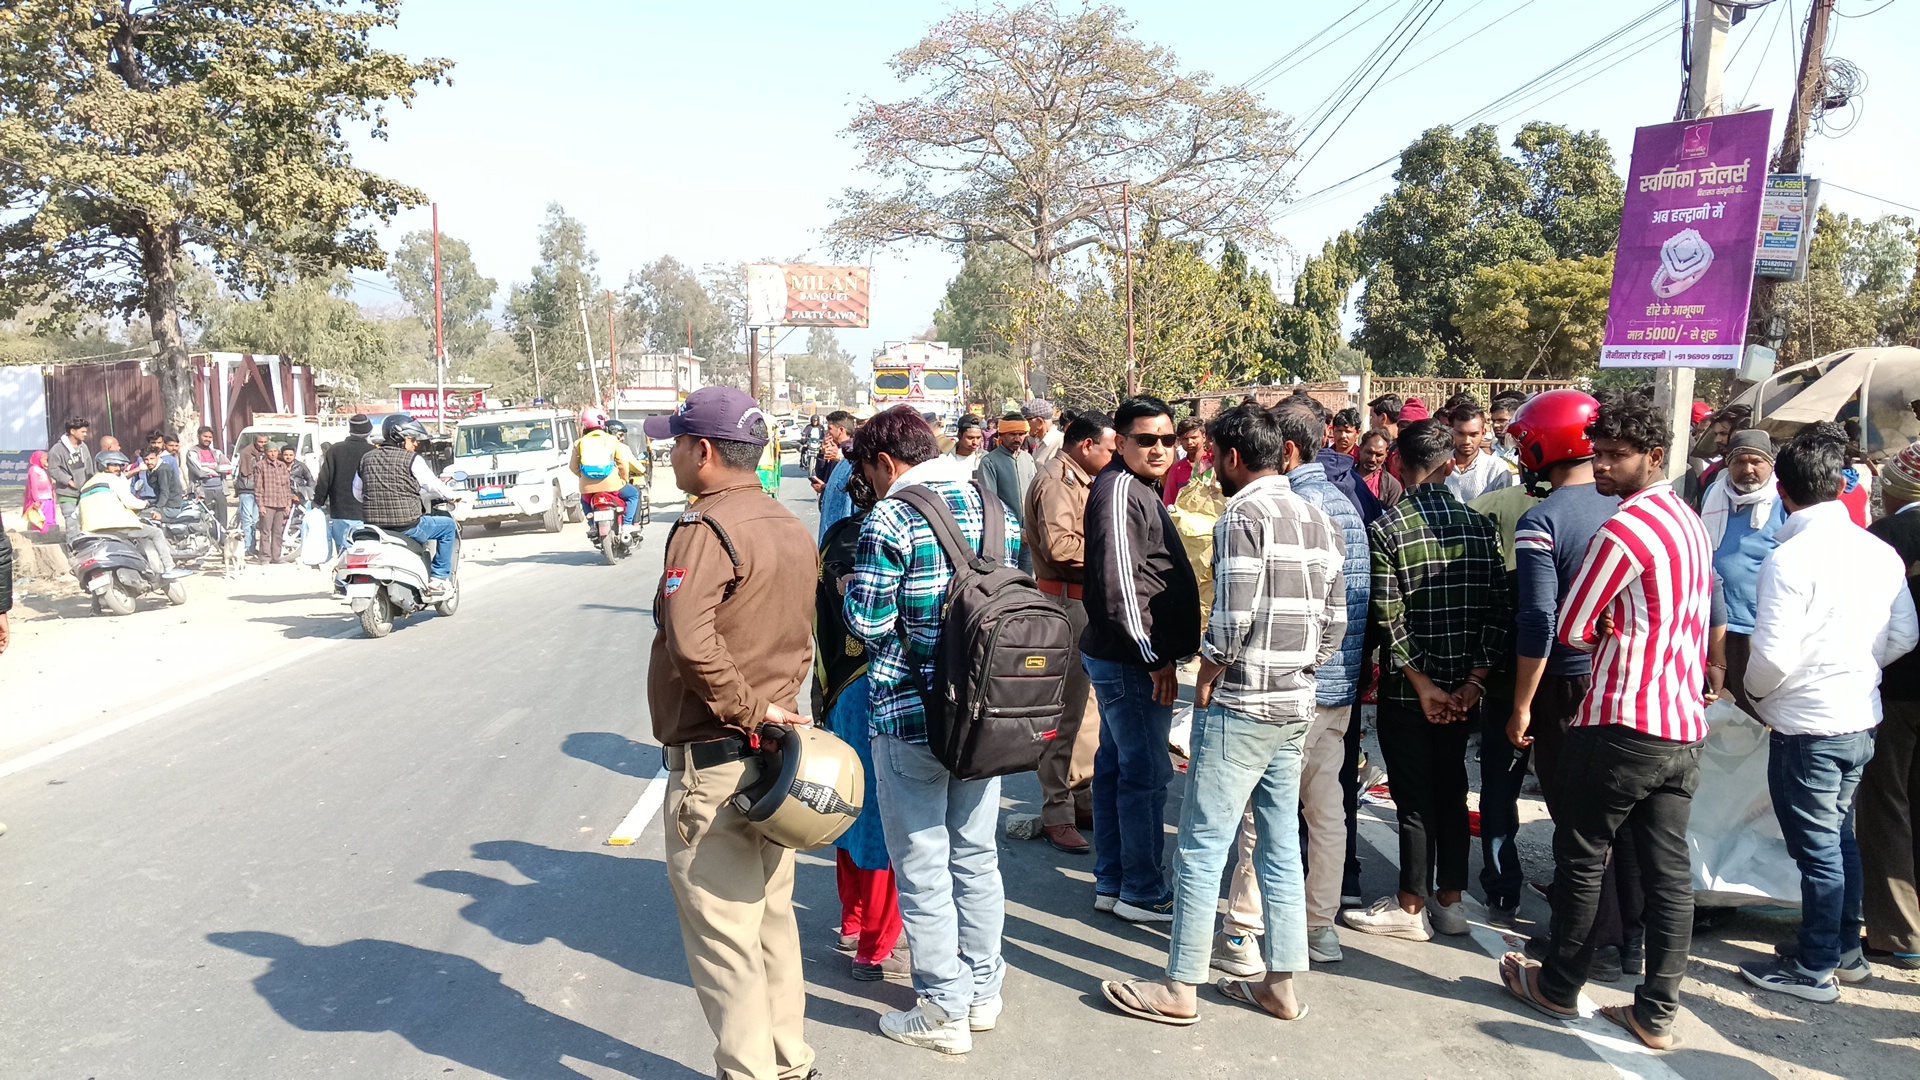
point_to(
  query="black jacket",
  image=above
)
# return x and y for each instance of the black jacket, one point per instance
(1343, 474)
(333, 488)
(6, 574)
(168, 492)
(1143, 604)
(1901, 679)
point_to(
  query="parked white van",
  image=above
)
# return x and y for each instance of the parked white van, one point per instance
(515, 463)
(308, 435)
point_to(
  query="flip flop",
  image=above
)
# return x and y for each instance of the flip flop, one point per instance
(1241, 990)
(1621, 1016)
(1513, 972)
(1139, 1009)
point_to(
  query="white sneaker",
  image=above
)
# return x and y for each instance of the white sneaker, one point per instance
(1323, 945)
(1238, 956)
(1387, 920)
(984, 1014)
(1161, 912)
(1449, 918)
(1103, 902)
(916, 1027)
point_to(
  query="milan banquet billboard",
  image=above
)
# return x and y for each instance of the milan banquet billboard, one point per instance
(785, 294)
(1683, 276)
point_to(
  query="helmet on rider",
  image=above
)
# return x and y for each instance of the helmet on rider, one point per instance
(1551, 429)
(592, 419)
(617, 429)
(110, 459)
(395, 430)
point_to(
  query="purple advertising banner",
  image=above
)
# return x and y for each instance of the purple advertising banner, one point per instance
(1683, 276)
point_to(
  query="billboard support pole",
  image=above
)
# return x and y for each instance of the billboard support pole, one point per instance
(753, 363)
(1673, 393)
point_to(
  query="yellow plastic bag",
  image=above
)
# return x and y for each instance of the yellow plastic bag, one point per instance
(1195, 511)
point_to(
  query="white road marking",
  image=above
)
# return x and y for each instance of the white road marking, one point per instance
(1627, 1056)
(637, 819)
(199, 693)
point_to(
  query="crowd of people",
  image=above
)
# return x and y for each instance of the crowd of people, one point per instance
(1525, 572)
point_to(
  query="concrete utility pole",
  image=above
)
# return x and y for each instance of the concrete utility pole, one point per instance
(1806, 100)
(613, 351)
(586, 331)
(439, 335)
(753, 363)
(533, 340)
(1708, 51)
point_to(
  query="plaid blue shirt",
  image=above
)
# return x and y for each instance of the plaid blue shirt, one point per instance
(900, 576)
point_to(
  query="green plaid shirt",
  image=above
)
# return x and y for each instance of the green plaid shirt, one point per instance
(900, 581)
(1441, 595)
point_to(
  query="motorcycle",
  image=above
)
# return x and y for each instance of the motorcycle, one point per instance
(606, 510)
(383, 575)
(116, 572)
(809, 452)
(194, 532)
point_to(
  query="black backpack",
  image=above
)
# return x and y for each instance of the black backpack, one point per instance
(1000, 669)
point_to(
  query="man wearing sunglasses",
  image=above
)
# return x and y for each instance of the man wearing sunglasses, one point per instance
(1143, 617)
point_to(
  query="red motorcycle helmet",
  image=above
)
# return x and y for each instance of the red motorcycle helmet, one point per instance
(1552, 427)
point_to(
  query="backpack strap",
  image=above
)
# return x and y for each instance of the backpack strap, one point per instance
(953, 541)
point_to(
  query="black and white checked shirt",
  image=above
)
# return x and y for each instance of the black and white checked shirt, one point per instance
(1279, 601)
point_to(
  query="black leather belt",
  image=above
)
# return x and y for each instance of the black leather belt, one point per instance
(706, 755)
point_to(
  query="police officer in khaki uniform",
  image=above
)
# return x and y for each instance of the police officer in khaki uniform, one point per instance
(733, 651)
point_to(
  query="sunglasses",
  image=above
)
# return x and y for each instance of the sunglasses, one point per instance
(1145, 442)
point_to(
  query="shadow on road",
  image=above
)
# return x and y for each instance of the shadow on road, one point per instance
(586, 557)
(619, 608)
(614, 752)
(616, 907)
(442, 1003)
(308, 626)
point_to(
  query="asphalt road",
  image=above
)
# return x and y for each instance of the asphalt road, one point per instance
(388, 861)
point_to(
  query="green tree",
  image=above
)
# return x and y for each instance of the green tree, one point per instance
(312, 318)
(548, 308)
(667, 299)
(465, 294)
(1309, 327)
(993, 378)
(1858, 289)
(976, 312)
(1251, 350)
(1459, 205)
(825, 365)
(1029, 119)
(1544, 320)
(136, 135)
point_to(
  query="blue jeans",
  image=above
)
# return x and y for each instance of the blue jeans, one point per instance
(940, 836)
(1813, 780)
(338, 531)
(1131, 772)
(443, 534)
(630, 494)
(249, 519)
(1236, 757)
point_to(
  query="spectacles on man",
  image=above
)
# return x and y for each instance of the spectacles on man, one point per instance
(1145, 442)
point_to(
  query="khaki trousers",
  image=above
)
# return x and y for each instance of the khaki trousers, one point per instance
(1066, 765)
(1323, 807)
(734, 892)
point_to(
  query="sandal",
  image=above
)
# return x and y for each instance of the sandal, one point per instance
(1517, 971)
(1621, 1016)
(1241, 990)
(1136, 1006)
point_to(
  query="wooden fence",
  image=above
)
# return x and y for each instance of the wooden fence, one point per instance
(1434, 392)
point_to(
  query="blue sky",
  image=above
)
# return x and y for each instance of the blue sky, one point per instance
(712, 132)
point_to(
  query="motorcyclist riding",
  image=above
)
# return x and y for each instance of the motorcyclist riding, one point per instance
(602, 451)
(107, 505)
(392, 485)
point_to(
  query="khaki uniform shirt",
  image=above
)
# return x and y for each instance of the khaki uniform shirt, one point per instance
(1056, 520)
(718, 661)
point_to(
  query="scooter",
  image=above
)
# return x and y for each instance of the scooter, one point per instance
(606, 510)
(116, 572)
(383, 576)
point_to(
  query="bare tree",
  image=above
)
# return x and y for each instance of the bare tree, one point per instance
(1024, 112)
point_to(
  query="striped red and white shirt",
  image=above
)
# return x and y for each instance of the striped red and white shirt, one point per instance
(1650, 566)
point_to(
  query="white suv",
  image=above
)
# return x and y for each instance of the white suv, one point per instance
(514, 462)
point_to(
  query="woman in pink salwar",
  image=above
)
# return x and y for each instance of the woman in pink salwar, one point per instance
(39, 508)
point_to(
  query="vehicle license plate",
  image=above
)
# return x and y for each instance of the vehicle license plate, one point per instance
(603, 515)
(355, 592)
(488, 494)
